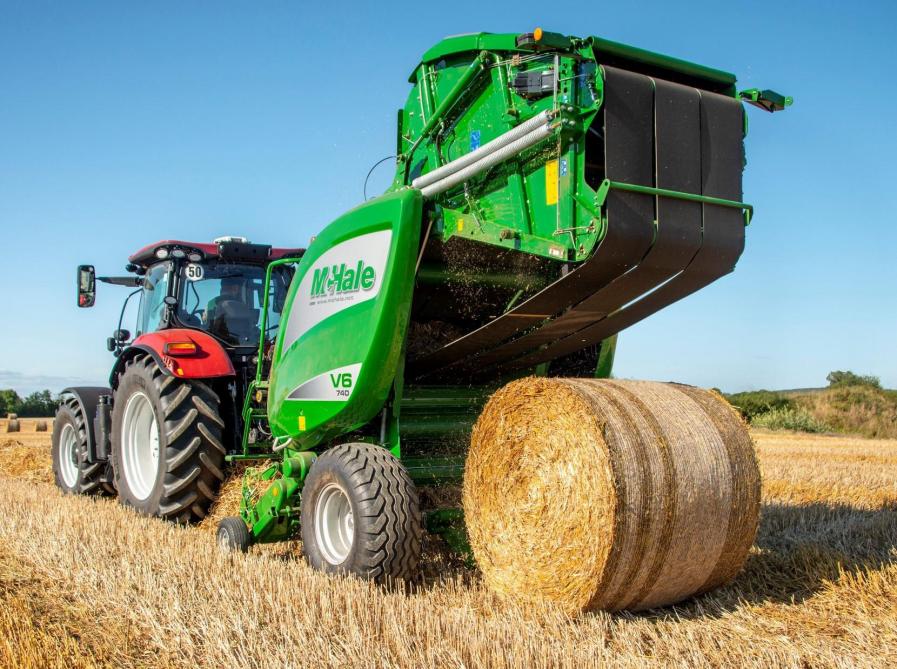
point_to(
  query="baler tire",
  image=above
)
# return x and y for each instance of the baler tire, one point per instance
(385, 513)
(189, 467)
(233, 535)
(71, 422)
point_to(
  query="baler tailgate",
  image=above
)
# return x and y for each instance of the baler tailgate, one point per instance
(722, 236)
(657, 249)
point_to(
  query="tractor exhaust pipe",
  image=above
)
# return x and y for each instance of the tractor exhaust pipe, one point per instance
(496, 151)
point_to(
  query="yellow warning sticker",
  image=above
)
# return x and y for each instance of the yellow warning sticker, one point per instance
(551, 182)
(302, 423)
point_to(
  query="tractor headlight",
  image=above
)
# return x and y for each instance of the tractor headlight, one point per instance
(162, 253)
(194, 257)
(178, 253)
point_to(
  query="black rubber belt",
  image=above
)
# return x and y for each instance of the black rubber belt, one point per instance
(629, 150)
(722, 128)
(676, 126)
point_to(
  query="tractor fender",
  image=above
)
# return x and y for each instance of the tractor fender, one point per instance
(88, 398)
(209, 361)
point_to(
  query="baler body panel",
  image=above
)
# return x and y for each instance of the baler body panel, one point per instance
(344, 323)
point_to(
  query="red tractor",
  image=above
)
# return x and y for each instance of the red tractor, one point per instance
(177, 387)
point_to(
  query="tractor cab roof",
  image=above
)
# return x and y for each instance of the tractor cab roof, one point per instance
(233, 249)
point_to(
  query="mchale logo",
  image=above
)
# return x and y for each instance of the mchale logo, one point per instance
(342, 279)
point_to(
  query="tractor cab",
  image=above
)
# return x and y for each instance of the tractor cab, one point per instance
(216, 288)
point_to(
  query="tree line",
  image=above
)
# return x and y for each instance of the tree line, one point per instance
(38, 404)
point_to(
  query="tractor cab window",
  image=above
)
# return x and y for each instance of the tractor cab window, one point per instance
(226, 300)
(152, 299)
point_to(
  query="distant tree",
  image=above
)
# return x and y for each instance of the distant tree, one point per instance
(10, 402)
(40, 403)
(757, 402)
(839, 379)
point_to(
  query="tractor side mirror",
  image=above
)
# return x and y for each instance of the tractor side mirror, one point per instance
(87, 286)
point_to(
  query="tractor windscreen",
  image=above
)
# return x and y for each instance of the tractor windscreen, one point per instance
(226, 300)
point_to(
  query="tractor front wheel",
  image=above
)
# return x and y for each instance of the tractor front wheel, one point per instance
(360, 514)
(71, 470)
(167, 450)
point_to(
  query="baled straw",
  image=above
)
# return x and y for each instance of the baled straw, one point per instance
(597, 494)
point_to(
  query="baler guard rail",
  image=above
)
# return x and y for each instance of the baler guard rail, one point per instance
(607, 185)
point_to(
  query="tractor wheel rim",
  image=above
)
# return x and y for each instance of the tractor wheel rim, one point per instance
(334, 524)
(68, 455)
(140, 445)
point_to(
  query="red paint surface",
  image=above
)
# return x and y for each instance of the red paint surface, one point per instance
(210, 360)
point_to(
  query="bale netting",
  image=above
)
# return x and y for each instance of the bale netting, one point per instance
(599, 494)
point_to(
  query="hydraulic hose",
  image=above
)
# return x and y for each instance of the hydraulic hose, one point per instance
(501, 141)
(488, 160)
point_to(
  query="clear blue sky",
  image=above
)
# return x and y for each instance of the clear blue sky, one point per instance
(122, 123)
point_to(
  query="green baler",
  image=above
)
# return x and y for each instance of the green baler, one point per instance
(550, 191)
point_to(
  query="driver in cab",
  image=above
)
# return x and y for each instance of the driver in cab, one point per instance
(228, 314)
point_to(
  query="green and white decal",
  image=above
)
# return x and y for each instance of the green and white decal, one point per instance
(336, 357)
(335, 385)
(344, 276)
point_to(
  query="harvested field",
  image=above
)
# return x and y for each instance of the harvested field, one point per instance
(87, 583)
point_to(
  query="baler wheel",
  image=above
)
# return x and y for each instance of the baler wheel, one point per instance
(360, 514)
(233, 535)
(71, 471)
(167, 450)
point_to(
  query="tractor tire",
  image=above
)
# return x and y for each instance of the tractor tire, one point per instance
(233, 535)
(360, 514)
(71, 471)
(167, 451)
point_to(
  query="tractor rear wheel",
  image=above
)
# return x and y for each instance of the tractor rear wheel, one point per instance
(167, 450)
(72, 472)
(360, 514)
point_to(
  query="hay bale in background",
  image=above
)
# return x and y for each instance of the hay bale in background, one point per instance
(12, 416)
(41, 426)
(597, 494)
(13, 425)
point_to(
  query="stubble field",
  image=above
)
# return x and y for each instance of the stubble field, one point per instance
(85, 583)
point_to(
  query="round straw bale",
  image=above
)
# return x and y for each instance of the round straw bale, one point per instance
(41, 426)
(600, 494)
(12, 416)
(13, 425)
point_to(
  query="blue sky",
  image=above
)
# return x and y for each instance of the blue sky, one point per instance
(122, 123)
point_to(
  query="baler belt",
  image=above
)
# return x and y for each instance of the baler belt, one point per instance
(723, 232)
(629, 148)
(677, 125)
